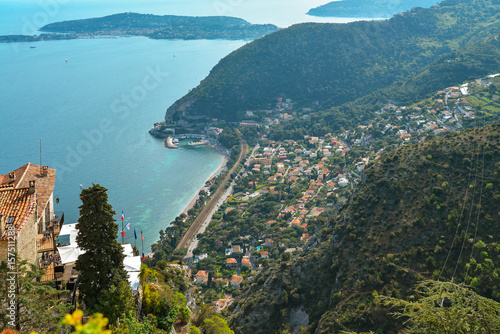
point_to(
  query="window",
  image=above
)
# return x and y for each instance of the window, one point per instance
(11, 220)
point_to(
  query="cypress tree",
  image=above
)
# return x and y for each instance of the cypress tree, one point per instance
(101, 267)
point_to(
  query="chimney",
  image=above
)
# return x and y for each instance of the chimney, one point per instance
(32, 187)
(45, 170)
(12, 176)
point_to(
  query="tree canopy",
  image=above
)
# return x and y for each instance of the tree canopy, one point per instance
(102, 274)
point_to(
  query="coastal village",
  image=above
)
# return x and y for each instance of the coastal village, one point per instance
(288, 188)
(277, 201)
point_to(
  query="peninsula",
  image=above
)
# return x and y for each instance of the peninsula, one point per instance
(148, 25)
(31, 38)
(163, 27)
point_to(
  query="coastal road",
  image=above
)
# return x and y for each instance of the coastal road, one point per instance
(194, 241)
(195, 226)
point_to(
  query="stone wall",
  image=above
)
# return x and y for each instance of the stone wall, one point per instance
(26, 241)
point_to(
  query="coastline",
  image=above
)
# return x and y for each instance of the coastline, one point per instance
(214, 174)
(195, 197)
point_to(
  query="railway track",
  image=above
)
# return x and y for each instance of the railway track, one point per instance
(195, 226)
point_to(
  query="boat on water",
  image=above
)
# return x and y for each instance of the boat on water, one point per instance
(198, 143)
(32, 47)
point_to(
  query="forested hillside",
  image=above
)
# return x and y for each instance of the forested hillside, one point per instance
(338, 63)
(422, 211)
(475, 60)
(368, 8)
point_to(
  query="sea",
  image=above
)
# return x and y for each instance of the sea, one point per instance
(84, 107)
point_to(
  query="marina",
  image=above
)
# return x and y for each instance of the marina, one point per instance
(199, 143)
(172, 141)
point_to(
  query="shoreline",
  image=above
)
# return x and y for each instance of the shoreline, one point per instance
(195, 197)
(214, 174)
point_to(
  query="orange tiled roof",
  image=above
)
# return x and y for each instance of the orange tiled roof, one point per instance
(231, 260)
(17, 204)
(44, 183)
(237, 279)
(201, 273)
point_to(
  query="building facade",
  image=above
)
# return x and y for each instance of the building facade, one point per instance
(27, 207)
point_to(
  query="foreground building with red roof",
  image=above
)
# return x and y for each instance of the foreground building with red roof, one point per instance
(27, 220)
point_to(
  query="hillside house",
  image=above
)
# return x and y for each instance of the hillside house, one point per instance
(245, 262)
(268, 242)
(237, 249)
(231, 262)
(201, 276)
(236, 281)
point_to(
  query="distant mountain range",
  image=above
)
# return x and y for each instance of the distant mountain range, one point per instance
(368, 8)
(163, 27)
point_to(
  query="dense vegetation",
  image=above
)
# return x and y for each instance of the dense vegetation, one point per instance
(38, 305)
(422, 211)
(164, 27)
(376, 9)
(338, 63)
(475, 60)
(102, 282)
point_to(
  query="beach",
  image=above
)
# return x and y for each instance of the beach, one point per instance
(195, 198)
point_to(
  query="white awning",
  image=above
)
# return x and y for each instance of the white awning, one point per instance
(132, 263)
(67, 229)
(127, 250)
(69, 254)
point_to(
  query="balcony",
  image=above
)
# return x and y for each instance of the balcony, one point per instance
(56, 222)
(46, 239)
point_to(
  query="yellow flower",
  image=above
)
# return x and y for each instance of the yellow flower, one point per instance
(74, 319)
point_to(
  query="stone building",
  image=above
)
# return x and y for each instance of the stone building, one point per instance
(27, 206)
(18, 226)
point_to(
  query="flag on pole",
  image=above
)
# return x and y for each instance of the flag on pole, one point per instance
(142, 237)
(123, 216)
(143, 257)
(122, 233)
(135, 234)
(128, 226)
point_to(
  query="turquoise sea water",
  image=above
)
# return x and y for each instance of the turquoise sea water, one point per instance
(93, 111)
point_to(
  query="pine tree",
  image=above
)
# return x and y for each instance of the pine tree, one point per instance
(38, 305)
(101, 267)
(445, 307)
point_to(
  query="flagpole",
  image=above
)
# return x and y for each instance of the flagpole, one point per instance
(142, 240)
(123, 231)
